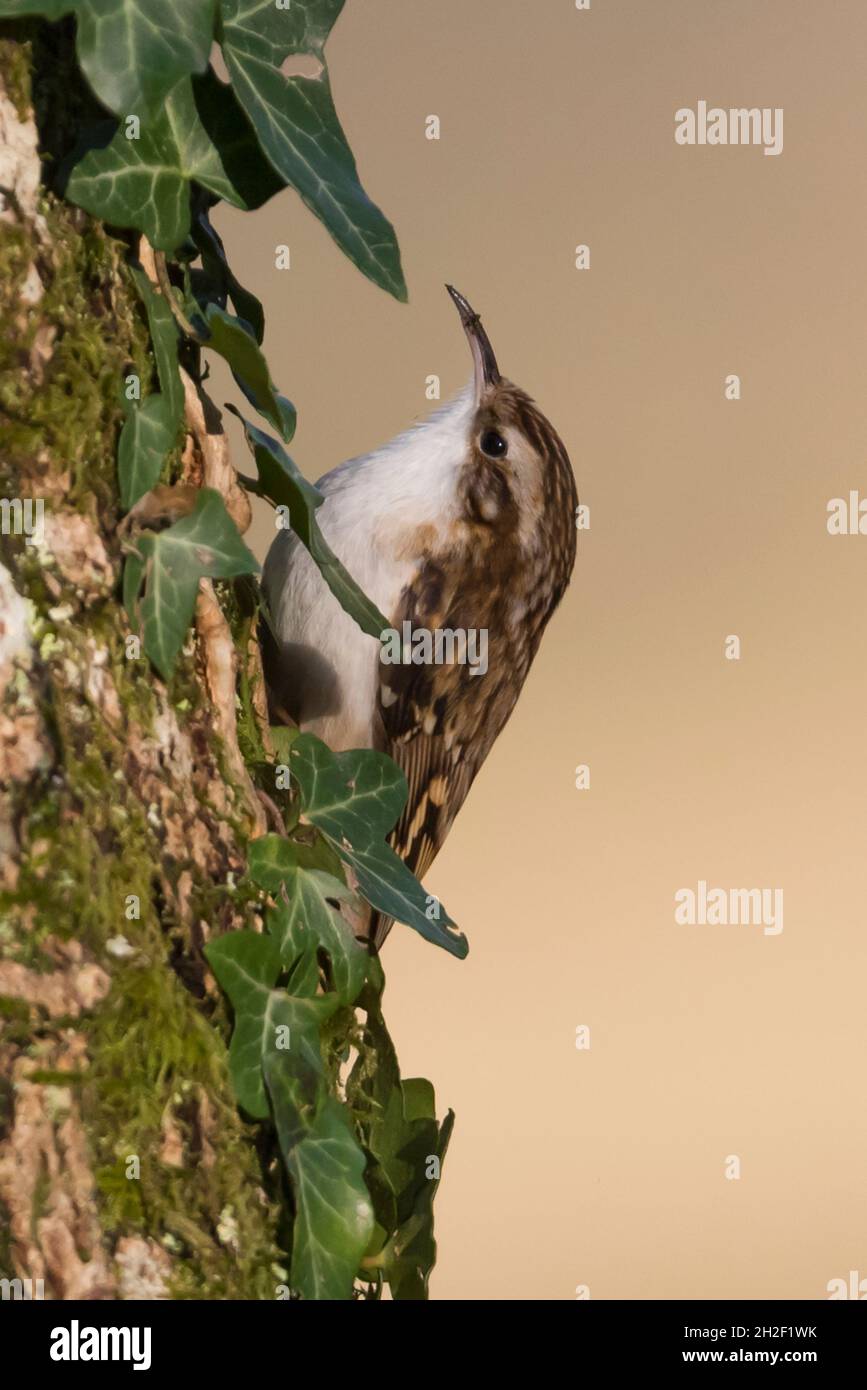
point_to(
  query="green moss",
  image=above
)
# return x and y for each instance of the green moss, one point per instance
(63, 417)
(15, 65)
(72, 413)
(239, 601)
(47, 1077)
(151, 1051)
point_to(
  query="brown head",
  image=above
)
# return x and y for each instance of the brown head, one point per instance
(518, 481)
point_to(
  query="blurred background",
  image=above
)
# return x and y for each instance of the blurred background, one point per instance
(606, 1167)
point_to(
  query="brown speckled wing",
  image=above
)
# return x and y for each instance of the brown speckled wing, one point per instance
(424, 721)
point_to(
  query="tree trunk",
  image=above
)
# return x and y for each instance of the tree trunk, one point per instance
(124, 813)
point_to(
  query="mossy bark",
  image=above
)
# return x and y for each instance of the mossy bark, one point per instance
(125, 1170)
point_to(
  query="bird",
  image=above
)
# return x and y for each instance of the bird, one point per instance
(465, 522)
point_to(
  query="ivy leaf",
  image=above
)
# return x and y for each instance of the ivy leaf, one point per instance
(270, 32)
(216, 268)
(282, 738)
(333, 1213)
(164, 339)
(271, 857)
(374, 1092)
(304, 919)
(247, 966)
(401, 1136)
(151, 427)
(229, 337)
(133, 578)
(205, 543)
(149, 431)
(281, 481)
(298, 127)
(199, 133)
(136, 183)
(133, 52)
(233, 166)
(306, 881)
(48, 9)
(411, 1252)
(388, 885)
(358, 794)
(308, 921)
(350, 797)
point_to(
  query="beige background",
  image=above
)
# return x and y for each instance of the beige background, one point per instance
(606, 1167)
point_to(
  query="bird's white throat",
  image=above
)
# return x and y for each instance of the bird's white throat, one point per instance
(409, 482)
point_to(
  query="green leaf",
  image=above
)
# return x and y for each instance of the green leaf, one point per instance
(333, 1213)
(133, 578)
(134, 51)
(137, 183)
(401, 1135)
(232, 164)
(386, 883)
(304, 919)
(282, 738)
(205, 543)
(272, 858)
(419, 1099)
(373, 1090)
(164, 339)
(354, 799)
(411, 1252)
(199, 133)
(271, 33)
(299, 131)
(149, 431)
(247, 966)
(151, 427)
(216, 268)
(229, 337)
(281, 481)
(308, 922)
(49, 9)
(357, 795)
(304, 880)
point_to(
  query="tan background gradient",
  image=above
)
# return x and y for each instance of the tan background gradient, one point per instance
(606, 1167)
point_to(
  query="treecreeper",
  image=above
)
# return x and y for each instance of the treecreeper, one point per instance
(462, 531)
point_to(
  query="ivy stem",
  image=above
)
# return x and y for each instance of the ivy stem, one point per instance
(165, 285)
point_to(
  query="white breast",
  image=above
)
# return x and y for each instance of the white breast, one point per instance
(373, 507)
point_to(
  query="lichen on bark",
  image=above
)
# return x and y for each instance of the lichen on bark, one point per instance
(122, 831)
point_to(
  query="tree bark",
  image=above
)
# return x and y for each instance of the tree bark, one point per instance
(125, 807)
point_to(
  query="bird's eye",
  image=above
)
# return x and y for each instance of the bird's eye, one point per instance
(493, 444)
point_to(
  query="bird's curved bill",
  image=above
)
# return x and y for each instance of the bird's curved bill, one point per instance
(487, 373)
